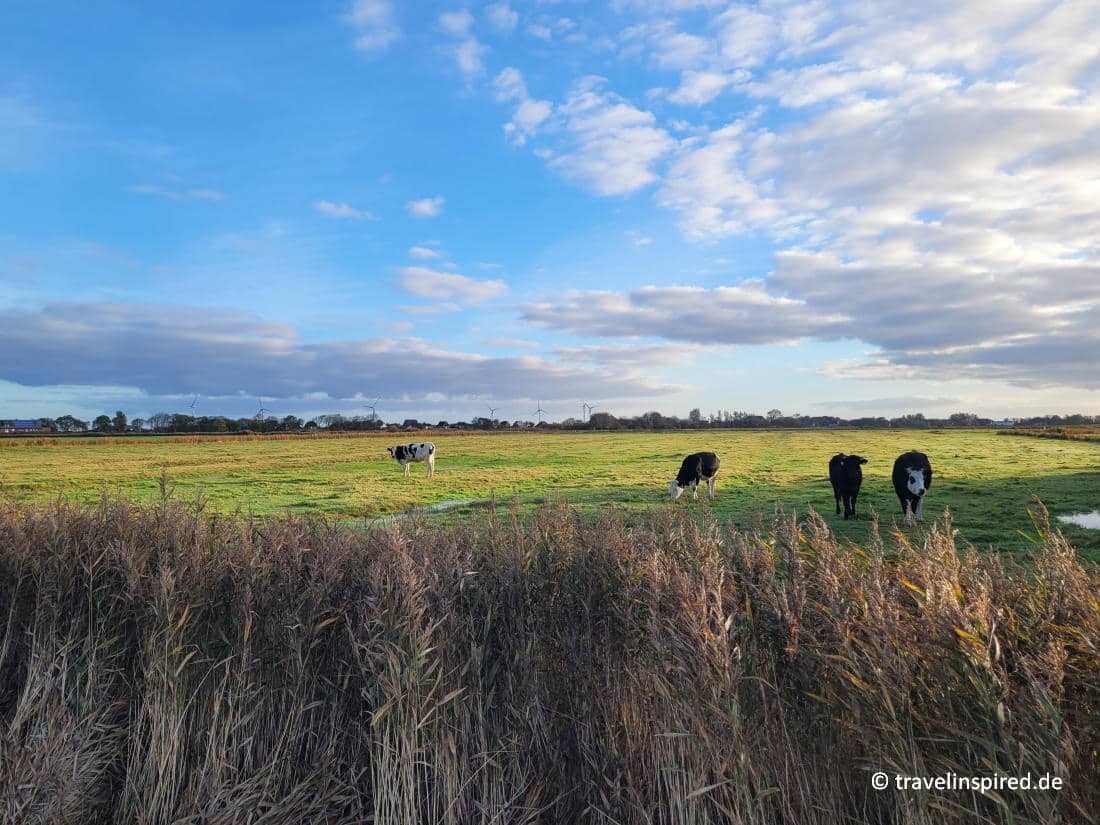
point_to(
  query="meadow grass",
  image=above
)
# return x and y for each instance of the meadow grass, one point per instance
(985, 480)
(163, 664)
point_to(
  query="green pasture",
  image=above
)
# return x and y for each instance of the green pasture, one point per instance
(987, 480)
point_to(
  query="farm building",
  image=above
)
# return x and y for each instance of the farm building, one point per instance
(23, 425)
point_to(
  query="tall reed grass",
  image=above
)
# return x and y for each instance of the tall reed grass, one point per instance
(162, 665)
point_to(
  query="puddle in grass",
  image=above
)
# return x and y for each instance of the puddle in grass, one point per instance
(1088, 520)
(438, 507)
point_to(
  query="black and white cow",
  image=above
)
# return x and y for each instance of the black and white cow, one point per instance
(407, 453)
(912, 478)
(695, 468)
(846, 475)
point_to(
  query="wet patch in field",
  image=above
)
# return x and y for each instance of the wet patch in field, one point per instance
(1087, 520)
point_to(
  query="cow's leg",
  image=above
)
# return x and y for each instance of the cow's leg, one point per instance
(695, 490)
(854, 497)
(710, 487)
(836, 495)
(920, 509)
(431, 465)
(406, 469)
(908, 513)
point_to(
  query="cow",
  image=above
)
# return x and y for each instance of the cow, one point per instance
(407, 453)
(912, 479)
(695, 468)
(846, 476)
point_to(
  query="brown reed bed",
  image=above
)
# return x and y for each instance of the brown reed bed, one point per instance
(162, 665)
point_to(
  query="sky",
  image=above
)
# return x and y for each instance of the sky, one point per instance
(826, 208)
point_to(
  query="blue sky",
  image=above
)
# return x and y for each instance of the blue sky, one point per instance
(648, 204)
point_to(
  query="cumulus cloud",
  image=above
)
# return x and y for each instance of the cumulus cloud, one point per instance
(612, 147)
(430, 283)
(178, 194)
(425, 207)
(529, 114)
(926, 174)
(342, 210)
(166, 350)
(423, 252)
(373, 21)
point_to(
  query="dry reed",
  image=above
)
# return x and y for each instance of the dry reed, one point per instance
(162, 665)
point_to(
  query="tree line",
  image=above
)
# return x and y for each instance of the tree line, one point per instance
(163, 422)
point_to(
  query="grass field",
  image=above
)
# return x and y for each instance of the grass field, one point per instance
(986, 480)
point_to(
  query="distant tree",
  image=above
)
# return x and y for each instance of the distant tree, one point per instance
(69, 424)
(160, 421)
(217, 424)
(603, 421)
(102, 424)
(775, 415)
(290, 423)
(442, 425)
(137, 425)
(119, 421)
(963, 419)
(912, 420)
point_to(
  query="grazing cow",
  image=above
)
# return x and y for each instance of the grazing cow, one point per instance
(696, 467)
(407, 453)
(912, 478)
(846, 475)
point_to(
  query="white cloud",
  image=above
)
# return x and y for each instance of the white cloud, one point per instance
(373, 21)
(742, 314)
(509, 85)
(456, 23)
(613, 145)
(502, 16)
(697, 88)
(341, 210)
(512, 343)
(425, 207)
(529, 114)
(430, 283)
(468, 51)
(423, 252)
(178, 194)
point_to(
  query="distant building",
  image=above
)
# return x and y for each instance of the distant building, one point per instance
(23, 425)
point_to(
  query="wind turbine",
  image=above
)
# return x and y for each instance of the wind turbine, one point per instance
(373, 414)
(540, 411)
(493, 414)
(260, 413)
(194, 401)
(590, 408)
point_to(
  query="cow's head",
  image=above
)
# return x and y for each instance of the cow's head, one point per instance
(857, 459)
(390, 451)
(915, 482)
(674, 489)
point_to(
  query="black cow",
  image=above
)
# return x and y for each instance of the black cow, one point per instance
(846, 475)
(695, 468)
(912, 479)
